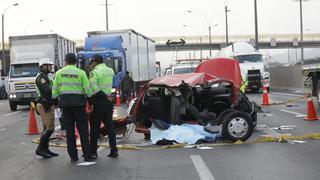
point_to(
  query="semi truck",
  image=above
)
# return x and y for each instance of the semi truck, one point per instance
(25, 53)
(251, 64)
(122, 50)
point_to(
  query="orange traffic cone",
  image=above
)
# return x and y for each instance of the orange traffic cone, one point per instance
(265, 97)
(33, 127)
(312, 114)
(118, 101)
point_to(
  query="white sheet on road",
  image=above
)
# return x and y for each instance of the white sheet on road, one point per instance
(184, 134)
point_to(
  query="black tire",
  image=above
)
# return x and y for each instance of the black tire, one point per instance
(243, 123)
(222, 115)
(13, 106)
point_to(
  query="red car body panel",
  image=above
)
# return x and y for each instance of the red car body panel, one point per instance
(222, 68)
(192, 79)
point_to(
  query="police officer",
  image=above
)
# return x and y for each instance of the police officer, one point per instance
(72, 87)
(45, 107)
(101, 83)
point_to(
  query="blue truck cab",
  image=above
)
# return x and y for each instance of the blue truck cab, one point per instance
(112, 51)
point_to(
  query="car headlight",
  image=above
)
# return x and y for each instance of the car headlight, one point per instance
(113, 90)
(14, 96)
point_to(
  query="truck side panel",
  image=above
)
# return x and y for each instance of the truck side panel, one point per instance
(143, 59)
(152, 59)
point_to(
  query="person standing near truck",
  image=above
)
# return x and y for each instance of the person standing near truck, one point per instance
(127, 87)
(72, 87)
(45, 107)
(101, 83)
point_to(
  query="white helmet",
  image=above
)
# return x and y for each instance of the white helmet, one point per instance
(45, 61)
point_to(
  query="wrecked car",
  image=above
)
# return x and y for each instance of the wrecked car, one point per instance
(198, 98)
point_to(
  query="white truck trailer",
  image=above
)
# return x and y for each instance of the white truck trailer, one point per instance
(25, 53)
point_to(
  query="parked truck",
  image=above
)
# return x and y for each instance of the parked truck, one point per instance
(122, 50)
(25, 53)
(251, 64)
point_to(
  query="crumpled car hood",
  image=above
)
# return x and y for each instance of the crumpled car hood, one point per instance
(192, 79)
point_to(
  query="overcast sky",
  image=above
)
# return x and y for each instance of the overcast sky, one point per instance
(73, 18)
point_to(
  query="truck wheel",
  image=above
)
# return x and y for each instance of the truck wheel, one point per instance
(237, 126)
(13, 106)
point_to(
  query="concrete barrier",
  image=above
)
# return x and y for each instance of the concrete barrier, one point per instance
(287, 78)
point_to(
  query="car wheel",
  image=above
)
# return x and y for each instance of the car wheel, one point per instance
(13, 106)
(237, 126)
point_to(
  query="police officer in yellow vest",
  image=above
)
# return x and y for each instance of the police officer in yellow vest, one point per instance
(101, 83)
(72, 88)
(45, 107)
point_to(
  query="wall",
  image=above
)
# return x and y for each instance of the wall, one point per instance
(286, 78)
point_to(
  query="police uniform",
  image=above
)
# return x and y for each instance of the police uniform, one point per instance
(45, 108)
(101, 83)
(72, 87)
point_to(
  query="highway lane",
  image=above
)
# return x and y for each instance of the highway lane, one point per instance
(240, 162)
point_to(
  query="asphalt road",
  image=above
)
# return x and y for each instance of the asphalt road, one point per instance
(263, 161)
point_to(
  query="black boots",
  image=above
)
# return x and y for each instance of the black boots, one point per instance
(43, 148)
(48, 134)
(114, 153)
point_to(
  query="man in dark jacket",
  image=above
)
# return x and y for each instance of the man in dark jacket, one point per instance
(127, 86)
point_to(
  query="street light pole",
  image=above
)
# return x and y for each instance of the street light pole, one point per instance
(227, 33)
(3, 60)
(301, 33)
(107, 18)
(256, 24)
(210, 39)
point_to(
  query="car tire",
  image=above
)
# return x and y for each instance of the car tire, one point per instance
(13, 106)
(237, 126)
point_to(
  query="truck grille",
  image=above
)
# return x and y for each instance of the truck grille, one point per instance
(23, 86)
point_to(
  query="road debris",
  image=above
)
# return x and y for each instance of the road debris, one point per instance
(285, 127)
(86, 163)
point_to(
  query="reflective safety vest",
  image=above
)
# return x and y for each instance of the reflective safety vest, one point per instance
(101, 79)
(243, 85)
(72, 86)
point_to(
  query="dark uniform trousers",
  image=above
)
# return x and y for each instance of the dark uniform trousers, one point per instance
(78, 116)
(102, 112)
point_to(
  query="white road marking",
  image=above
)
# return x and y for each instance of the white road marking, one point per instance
(296, 95)
(12, 113)
(2, 129)
(203, 170)
(294, 113)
